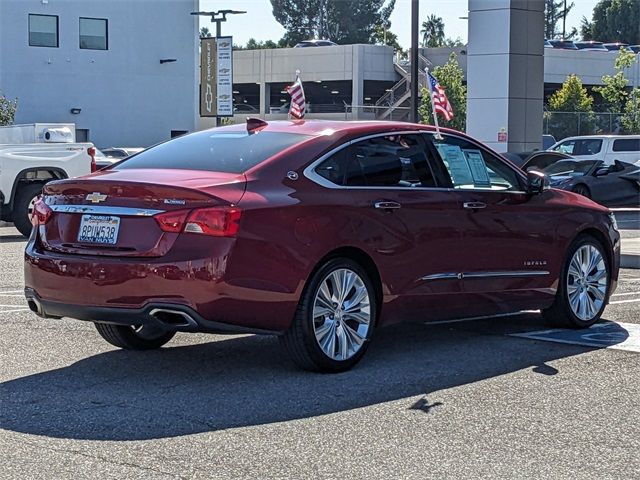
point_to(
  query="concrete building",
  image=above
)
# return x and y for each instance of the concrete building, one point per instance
(125, 72)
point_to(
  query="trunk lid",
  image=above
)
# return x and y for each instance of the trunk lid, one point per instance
(124, 203)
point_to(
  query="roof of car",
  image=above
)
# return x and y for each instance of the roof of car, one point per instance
(327, 127)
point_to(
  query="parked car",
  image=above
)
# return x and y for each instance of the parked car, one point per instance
(536, 160)
(602, 147)
(563, 44)
(315, 43)
(547, 44)
(634, 48)
(121, 152)
(548, 141)
(319, 232)
(614, 47)
(616, 185)
(102, 161)
(32, 155)
(591, 46)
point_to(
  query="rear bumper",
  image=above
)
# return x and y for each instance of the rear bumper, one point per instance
(169, 316)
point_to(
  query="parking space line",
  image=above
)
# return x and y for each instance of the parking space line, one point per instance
(12, 295)
(624, 294)
(15, 310)
(625, 301)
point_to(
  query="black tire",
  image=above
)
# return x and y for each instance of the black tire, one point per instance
(582, 189)
(21, 216)
(300, 340)
(560, 313)
(129, 338)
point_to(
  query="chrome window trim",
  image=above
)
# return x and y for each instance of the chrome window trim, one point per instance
(310, 173)
(106, 210)
(484, 274)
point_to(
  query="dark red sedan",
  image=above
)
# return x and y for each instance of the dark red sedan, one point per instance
(319, 232)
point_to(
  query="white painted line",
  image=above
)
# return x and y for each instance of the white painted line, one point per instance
(623, 294)
(15, 310)
(12, 291)
(12, 295)
(633, 300)
(11, 306)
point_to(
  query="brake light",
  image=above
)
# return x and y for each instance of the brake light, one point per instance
(215, 221)
(41, 213)
(92, 153)
(172, 221)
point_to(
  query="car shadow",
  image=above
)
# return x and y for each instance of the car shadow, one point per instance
(12, 238)
(245, 381)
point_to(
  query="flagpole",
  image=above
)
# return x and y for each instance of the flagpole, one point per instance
(433, 106)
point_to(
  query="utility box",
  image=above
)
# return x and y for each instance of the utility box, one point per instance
(38, 133)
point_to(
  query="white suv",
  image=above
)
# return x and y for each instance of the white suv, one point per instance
(608, 148)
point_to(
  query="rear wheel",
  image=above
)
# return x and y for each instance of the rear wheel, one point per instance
(334, 320)
(23, 207)
(584, 286)
(134, 337)
(582, 190)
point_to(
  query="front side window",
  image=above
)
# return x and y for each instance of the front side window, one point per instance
(626, 145)
(385, 161)
(472, 168)
(43, 30)
(94, 33)
(589, 146)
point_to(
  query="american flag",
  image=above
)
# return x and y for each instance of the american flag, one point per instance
(298, 102)
(439, 99)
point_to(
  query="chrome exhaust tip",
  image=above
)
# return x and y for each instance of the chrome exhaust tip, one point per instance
(173, 319)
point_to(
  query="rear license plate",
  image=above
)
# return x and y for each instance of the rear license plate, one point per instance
(102, 229)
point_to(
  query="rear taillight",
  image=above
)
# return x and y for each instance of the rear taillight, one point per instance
(214, 221)
(92, 153)
(41, 213)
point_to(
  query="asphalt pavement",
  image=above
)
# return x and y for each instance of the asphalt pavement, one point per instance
(455, 400)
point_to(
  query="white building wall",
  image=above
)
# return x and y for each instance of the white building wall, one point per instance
(125, 95)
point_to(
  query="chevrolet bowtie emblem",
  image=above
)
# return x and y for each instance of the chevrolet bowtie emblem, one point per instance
(96, 197)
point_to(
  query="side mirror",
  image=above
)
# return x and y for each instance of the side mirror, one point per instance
(537, 182)
(601, 172)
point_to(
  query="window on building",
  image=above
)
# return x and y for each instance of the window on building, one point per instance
(94, 33)
(43, 30)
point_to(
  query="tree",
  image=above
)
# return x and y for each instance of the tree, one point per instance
(631, 119)
(433, 32)
(7, 110)
(614, 91)
(450, 77)
(572, 97)
(344, 22)
(382, 36)
(615, 21)
(205, 33)
(586, 29)
(554, 12)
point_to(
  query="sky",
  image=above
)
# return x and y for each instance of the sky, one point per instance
(259, 23)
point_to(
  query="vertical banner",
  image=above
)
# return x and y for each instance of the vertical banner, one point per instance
(208, 90)
(216, 77)
(224, 71)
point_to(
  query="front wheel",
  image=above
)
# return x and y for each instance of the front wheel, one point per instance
(584, 286)
(23, 209)
(335, 318)
(134, 337)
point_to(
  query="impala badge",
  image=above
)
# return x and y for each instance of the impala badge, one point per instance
(535, 263)
(96, 197)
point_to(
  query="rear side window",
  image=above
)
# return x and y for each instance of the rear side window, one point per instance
(626, 145)
(229, 152)
(590, 146)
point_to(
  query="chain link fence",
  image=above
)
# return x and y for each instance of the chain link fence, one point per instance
(570, 124)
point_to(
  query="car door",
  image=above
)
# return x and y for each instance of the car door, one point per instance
(407, 219)
(507, 233)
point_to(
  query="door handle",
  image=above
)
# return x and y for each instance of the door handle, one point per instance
(474, 205)
(387, 205)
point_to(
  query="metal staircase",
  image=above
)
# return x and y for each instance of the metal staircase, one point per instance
(395, 102)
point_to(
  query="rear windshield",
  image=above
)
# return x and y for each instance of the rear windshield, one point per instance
(230, 152)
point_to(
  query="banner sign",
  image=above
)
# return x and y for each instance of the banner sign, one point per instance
(216, 77)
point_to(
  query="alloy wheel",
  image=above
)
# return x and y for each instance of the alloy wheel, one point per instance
(31, 205)
(341, 314)
(587, 282)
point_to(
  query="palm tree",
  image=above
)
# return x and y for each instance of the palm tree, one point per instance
(205, 33)
(432, 32)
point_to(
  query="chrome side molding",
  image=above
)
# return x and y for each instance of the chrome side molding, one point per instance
(485, 274)
(105, 210)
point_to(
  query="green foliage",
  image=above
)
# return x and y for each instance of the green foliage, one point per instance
(630, 120)
(450, 77)
(7, 110)
(383, 36)
(614, 91)
(344, 22)
(453, 42)
(614, 21)
(554, 12)
(205, 33)
(571, 97)
(433, 32)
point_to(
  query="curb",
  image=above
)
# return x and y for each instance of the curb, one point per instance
(628, 260)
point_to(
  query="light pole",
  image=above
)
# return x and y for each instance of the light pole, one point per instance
(414, 61)
(218, 17)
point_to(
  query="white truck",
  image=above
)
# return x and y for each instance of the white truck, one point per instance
(32, 155)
